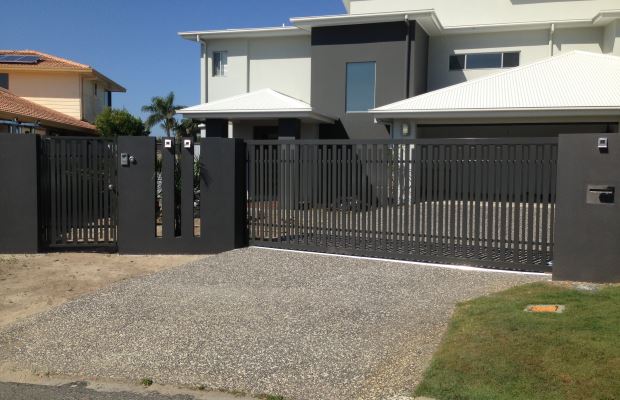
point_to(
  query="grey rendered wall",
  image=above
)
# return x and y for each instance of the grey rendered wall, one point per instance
(334, 47)
(19, 203)
(586, 242)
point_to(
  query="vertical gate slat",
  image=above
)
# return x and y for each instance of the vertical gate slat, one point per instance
(518, 202)
(187, 189)
(530, 200)
(84, 186)
(54, 191)
(545, 203)
(453, 200)
(477, 194)
(491, 234)
(441, 205)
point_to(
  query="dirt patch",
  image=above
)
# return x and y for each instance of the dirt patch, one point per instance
(30, 284)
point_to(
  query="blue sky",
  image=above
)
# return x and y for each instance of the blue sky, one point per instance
(135, 42)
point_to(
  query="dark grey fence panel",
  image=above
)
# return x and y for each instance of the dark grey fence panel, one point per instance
(78, 192)
(480, 202)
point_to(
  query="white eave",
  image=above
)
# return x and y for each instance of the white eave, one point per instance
(574, 84)
(432, 24)
(243, 33)
(261, 104)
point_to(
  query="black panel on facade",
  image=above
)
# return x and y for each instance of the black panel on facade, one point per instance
(511, 59)
(363, 33)
(457, 62)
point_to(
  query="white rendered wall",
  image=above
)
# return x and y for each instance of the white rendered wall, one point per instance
(282, 64)
(482, 12)
(235, 80)
(533, 46)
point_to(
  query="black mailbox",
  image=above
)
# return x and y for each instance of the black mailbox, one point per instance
(601, 194)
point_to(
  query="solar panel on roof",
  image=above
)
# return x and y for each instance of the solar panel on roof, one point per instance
(18, 59)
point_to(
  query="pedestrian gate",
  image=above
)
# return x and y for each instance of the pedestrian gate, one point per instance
(78, 192)
(485, 202)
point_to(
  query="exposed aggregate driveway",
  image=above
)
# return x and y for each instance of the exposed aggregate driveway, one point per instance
(302, 326)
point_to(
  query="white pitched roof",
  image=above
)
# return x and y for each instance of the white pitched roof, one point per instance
(264, 103)
(575, 83)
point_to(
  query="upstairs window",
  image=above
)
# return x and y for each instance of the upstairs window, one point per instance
(361, 83)
(484, 61)
(220, 61)
(4, 81)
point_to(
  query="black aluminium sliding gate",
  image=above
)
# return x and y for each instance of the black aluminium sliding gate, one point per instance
(482, 202)
(78, 178)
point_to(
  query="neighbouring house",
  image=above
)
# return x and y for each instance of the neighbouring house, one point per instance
(416, 68)
(69, 94)
(18, 115)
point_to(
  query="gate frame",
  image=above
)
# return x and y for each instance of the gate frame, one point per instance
(82, 213)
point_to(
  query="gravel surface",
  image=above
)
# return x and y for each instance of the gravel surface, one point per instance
(303, 326)
(79, 391)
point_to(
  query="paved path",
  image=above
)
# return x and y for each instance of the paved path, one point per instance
(260, 321)
(15, 391)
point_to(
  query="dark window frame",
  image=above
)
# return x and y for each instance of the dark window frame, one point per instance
(460, 62)
(220, 71)
(4, 80)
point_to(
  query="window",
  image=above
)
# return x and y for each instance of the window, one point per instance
(95, 89)
(220, 61)
(484, 60)
(360, 91)
(511, 60)
(4, 81)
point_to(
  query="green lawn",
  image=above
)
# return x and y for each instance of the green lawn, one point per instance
(494, 350)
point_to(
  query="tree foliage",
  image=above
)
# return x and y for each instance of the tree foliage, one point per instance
(116, 122)
(187, 128)
(162, 111)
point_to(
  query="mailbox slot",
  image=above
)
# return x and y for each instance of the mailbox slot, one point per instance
(601, 194)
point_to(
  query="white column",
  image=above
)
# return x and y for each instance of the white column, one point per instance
(204, 78)
(231, 129)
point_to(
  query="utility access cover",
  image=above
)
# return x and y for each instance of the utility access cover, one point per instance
(554, 309)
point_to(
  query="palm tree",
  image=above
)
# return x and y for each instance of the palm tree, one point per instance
(162, 111)
(187, 128)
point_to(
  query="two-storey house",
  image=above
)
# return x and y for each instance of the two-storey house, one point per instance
(423, 68)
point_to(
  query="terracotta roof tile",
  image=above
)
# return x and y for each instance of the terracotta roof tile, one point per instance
(47, 61)
(20, 107)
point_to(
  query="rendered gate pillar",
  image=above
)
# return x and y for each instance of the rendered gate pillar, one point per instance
(223, 194)
(587, 240)
(19, 194)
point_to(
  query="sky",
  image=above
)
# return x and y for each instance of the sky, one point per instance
(135, 42)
